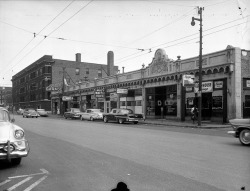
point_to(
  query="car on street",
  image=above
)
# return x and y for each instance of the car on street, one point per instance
(72, 113)
(241, 130)
(13, 145)
(42, 112)
(30, 112)
(122, 116)
(92, 114)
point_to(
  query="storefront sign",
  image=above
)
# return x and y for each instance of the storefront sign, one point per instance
(99, 93)
(206, 87)
(188, 80)
(121, 91)
(135, 87)
(218, 84)
(67, 98)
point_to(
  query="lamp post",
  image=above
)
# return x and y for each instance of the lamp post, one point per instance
(200, 62)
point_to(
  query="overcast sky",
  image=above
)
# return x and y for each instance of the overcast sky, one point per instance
(31, 29)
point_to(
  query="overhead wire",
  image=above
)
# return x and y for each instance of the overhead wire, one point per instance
(35, 33)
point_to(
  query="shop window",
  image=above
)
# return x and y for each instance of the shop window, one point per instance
(123, 103)
(138, 103)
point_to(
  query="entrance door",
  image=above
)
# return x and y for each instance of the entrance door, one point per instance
(107, 107)
(206, 106)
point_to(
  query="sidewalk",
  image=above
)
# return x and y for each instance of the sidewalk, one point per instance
(164, 122)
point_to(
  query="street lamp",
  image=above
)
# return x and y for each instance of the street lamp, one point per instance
(200, 62)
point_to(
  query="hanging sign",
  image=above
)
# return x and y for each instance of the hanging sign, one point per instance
(188, 80)
(121, 91)
(67, 98)
(218, 84)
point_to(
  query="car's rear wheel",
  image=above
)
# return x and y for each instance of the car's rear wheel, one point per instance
(135, 122)
(244, 137)
(91, 119)
(65, 117)
(105, 119)
(81, 118)
(120, 121)
(16, 161)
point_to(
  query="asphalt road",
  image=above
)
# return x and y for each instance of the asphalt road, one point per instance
(83, 155)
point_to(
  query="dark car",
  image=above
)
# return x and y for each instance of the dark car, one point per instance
(241, 130)
(122, 115)
(30, 112)
(73, 113)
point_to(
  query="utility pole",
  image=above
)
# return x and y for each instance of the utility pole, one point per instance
(200, 9)
(63, 84)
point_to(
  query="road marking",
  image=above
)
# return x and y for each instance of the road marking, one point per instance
(19, 183)
(4, 182)
(36, 183)
(21, 176)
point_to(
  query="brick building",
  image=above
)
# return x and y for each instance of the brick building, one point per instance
(33, 85)
(5, 96)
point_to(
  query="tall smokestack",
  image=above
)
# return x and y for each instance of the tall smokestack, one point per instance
(110, 63)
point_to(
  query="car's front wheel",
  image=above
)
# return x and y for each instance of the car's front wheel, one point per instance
(244, 137)
(16, 161)
(105, 119)
(135, 122)
(65, 117)
(81, 118)
(91, 119)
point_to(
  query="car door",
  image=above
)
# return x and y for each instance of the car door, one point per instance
(113, 114)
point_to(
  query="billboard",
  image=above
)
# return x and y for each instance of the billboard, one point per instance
(188, 80)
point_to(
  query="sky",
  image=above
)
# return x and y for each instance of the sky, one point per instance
(133, 30)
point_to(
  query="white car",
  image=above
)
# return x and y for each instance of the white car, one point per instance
(91, 114)
(13, 145)
(42, 112)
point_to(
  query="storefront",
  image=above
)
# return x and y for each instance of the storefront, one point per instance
(161, 101)
(214, 100)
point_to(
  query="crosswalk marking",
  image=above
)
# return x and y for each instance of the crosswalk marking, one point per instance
(19, 183)
(36, 183)
(4, 182)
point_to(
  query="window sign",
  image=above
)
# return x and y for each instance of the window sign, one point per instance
(218, 84)
(206, 87)
(217, 102)
(248, 83)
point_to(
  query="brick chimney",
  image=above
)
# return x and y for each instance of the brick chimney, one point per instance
(78, 57)
(110, 66)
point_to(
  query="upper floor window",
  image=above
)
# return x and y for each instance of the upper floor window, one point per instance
(32, 75)
(87, 70)
(99, 73)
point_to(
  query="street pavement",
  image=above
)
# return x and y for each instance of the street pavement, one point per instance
(84, 155)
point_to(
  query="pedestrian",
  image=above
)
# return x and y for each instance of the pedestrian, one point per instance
(121, 186)
(194, 113)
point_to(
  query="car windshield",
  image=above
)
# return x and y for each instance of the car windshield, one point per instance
(96, 110)
(4, 115)
(31, 110)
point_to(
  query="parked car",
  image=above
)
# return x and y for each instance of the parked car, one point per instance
(42, 112)
(122, 115)
(241, 130)
(91, 114)
(30, 112)
(73, 113)
(13, 145)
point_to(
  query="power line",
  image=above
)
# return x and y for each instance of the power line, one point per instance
(38, 32)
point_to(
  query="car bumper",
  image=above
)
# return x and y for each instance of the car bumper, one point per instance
(134, 119)
(98, 117)
(233, 133)
(21, 150)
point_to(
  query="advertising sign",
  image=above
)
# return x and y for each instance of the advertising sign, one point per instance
(99, 93)
(67, 98)
(188, 80)
(122, 91)
(218, 84)
(206, 87)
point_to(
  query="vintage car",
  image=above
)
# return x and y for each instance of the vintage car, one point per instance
(72, 113)
(91, 114)
(13, 145)
(30, 112)
(122, 115)
(20, 111)
(42, 112)
(241, 130)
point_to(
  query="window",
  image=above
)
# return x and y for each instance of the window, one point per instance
(32, 75)
(138, 103)
(49, 70)
(77, 71)
(87, 70)
(99, 73)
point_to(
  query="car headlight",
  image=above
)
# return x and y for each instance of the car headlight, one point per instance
(19, 134)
